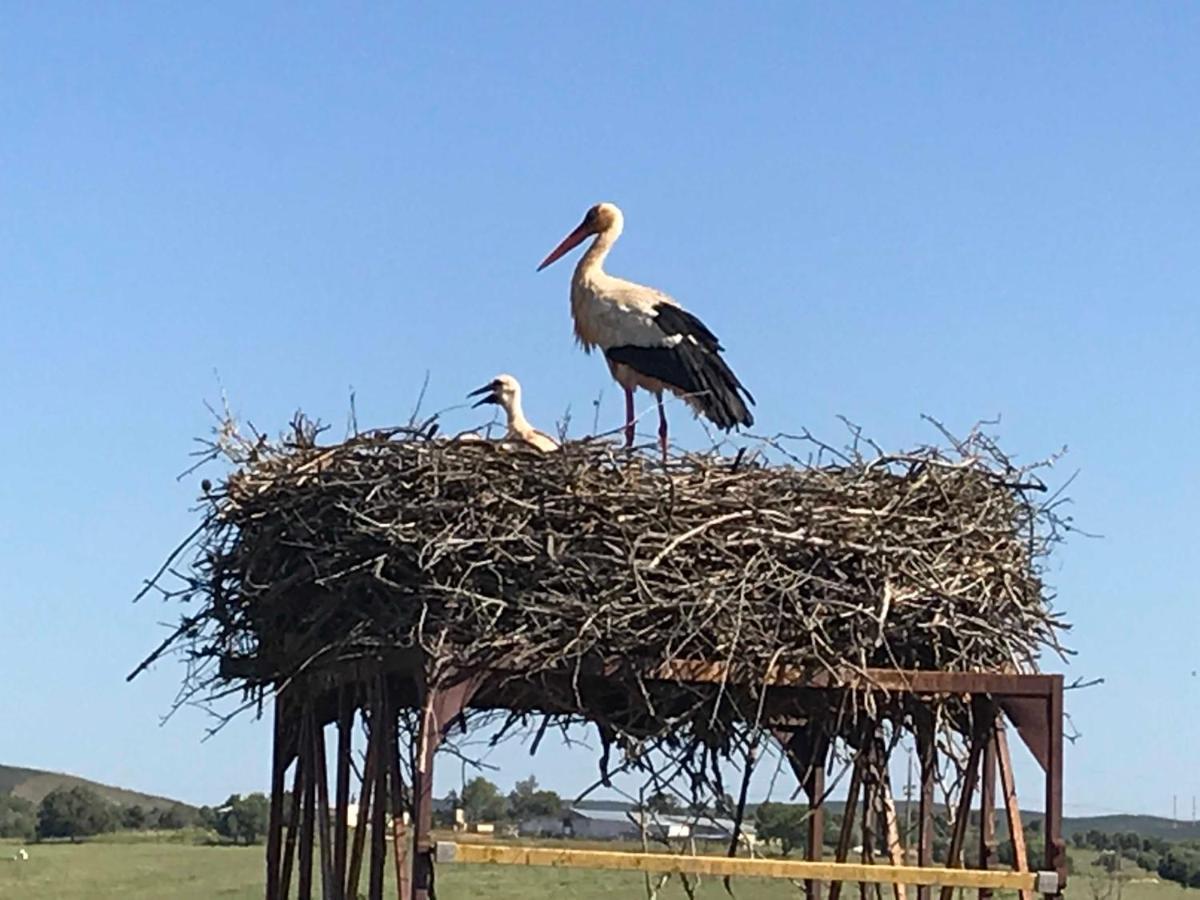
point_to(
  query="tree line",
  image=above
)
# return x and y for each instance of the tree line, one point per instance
(81, 812)
(1177, 861)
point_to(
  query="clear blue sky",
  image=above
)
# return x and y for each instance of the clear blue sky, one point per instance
(883, 210)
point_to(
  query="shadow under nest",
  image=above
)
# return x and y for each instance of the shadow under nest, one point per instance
(573, 577)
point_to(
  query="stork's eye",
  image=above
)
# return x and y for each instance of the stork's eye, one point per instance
(496, 385)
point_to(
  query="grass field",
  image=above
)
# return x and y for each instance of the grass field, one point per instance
(150, 869)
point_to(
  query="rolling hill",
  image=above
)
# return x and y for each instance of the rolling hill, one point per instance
(34, 784)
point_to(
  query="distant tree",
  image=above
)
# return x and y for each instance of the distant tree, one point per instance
(482, 801)
(783, 822)
(206, 816)
(133, 818)
(526, 801)
(74, 813)
(18, 818)
(175, 817)
(662, 803)
(1079, 839)
(243, 819)
(1148, 860)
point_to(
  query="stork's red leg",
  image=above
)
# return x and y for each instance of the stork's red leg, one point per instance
(628, 418)
(662, 428)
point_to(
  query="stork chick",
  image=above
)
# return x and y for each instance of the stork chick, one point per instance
(649, 340)
(505, 392)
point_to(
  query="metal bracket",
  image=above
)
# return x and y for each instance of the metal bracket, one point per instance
(445, 851)
(1047, 883)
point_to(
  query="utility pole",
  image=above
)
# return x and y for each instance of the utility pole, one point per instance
(1174, 807)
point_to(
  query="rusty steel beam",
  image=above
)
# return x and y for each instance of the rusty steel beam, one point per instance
(1012, 807)
(275, 822)
(962, 813)
(847, 831)
(1056, 848)
(806, 750)
(358, 845)
(341, 824)
(308, 816)
(987, 802)
(442, 707)
(927, 756)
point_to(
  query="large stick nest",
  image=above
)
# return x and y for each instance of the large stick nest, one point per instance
(489, 555)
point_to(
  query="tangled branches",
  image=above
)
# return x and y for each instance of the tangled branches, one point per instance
(481, 555)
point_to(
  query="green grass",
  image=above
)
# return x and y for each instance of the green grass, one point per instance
(151, 868)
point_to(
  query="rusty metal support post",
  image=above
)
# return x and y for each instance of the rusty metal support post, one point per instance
(846, 834)
(341, 824)
(1056, 849)
(806, 751)
(927, 756)
(987, 801)
(962, 813)
(279, 765)
(379, 808)
(399, 832)
(293, 825)
(439, 710)
(1012, 807)
(316, 732)
(308, 817)
(357, 847)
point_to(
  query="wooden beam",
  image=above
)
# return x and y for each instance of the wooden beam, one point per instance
(500, 854)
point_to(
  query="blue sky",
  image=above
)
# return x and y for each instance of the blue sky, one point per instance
(882, 209)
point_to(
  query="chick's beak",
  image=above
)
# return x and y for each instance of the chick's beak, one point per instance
(486, 389)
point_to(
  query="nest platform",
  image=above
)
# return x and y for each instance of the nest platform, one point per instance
(688, 609)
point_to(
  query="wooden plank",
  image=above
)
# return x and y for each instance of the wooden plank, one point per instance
(505, 855)
(1012, 807)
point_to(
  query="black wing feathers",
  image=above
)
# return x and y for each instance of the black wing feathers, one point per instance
(692, 365)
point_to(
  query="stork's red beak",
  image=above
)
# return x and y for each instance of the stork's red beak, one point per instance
(571, 241)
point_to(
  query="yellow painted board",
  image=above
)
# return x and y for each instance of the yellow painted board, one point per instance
(499, 854)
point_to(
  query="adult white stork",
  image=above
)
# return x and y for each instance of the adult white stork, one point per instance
(505, 392)
(649, 340)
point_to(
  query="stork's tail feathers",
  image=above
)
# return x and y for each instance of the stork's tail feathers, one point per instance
(697, 373)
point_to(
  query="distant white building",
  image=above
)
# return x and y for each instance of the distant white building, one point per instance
(614, 825)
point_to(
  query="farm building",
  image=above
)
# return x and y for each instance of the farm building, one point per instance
(614, 825)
